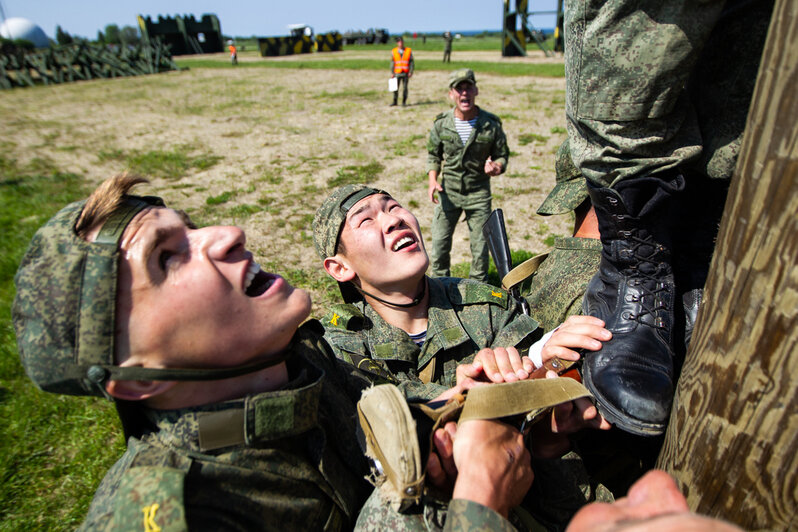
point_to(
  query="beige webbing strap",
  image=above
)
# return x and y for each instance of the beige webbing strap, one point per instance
(522, 271)
(428, 373)
(522, 397)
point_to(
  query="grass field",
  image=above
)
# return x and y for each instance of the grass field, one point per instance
(256, 146)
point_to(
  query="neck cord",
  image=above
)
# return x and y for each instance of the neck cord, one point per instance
(413, 303)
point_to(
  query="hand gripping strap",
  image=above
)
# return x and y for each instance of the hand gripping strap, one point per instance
(530, 397)
(400, 442)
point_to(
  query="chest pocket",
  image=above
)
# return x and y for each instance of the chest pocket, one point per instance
(451, 144)
(482, 144)
(485, 137)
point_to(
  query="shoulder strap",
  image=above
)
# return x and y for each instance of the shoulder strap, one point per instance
(150, 499)
(523, 271)
(341, 315)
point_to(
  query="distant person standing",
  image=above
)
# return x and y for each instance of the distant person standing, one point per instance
(466, 147)
(401, 68)
(233, 52)
(447, 47)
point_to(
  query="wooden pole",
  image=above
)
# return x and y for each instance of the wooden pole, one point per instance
(732, 443)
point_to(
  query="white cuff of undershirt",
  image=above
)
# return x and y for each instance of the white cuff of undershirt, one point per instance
(536, 350)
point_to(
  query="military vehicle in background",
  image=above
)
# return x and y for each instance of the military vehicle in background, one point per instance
(185, 35)
(301, 41)
(370, 36)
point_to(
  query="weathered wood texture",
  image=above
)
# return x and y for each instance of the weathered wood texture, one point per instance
(732, 443)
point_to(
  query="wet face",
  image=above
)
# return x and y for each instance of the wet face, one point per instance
(653, 504)
(383, 245)
(464, 95)
(194, 298)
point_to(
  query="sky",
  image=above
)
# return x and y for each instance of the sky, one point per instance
(263, 18)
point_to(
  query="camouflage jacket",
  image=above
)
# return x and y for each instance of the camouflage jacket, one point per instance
(459, 515)
(557, 287)
(464, 165)
(282, 460)
(464, 316)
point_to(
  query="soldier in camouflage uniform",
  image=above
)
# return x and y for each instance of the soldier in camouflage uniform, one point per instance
(237, 417)
(413, 329)
(464, 166)
(603, 463)
(556, 289)
(656, 100)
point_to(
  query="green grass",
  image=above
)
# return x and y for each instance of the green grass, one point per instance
(409, 145)
(548, 70)
(322, 61)
(462, 269)
(172, 164)
(527, 138)
(224, 197)
(366, 173)
(55, 449)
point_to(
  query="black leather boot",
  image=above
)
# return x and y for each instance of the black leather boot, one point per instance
(632, 376)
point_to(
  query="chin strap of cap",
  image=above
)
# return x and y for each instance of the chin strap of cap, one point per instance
(413, 303)
(98, 374)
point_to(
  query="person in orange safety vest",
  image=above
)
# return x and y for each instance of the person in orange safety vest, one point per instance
(401, 68)
(233, 52)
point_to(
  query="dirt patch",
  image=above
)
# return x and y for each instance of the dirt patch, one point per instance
(285, 135)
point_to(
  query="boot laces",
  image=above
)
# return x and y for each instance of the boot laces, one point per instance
(645, 273)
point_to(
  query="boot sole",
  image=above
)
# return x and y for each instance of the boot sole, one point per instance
(615, 416)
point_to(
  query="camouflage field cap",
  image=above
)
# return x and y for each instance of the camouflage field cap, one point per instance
(64, 311)
(65, 304)
(331, 215)
(463, 74)
(570, 189)
(329, 221)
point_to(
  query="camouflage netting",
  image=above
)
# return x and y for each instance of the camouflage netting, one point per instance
(20, 67)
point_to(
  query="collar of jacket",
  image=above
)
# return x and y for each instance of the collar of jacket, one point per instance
(444, 331)
(249, 421)
(448, 121)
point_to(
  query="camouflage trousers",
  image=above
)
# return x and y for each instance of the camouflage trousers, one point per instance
(476, 206)
(401, 84)
(653, 85)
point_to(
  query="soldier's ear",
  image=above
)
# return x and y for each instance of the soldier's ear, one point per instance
(338, 267)
(137, 390)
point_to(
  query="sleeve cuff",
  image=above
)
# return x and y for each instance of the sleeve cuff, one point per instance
(468, 515)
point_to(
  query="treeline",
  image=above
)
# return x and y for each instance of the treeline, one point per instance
(113, 34)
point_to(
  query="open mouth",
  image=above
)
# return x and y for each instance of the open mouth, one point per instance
(402, 243)
(257, 281)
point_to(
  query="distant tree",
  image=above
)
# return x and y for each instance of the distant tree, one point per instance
(112, 34)
(11, 45)
(62, 37)
(129, 35)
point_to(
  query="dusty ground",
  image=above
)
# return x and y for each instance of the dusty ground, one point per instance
(283, 135)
